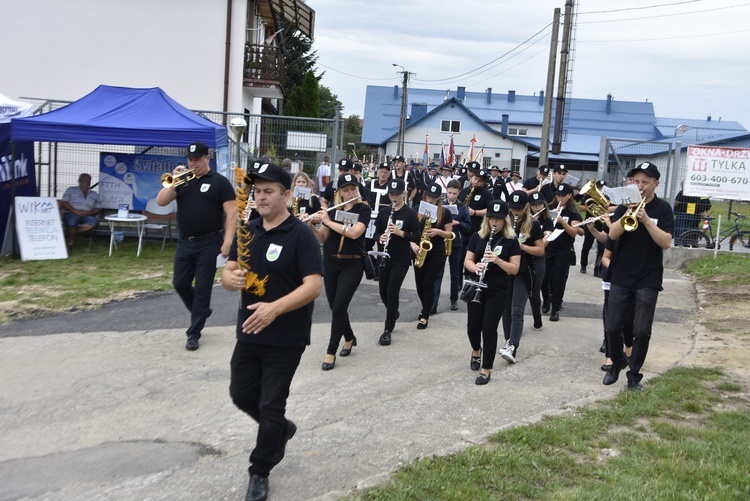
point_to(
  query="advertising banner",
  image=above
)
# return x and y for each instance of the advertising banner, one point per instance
(39, 229)
(133, 180)
(718, 172)
(21, 169)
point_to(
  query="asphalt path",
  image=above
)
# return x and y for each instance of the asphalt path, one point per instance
(107, 404)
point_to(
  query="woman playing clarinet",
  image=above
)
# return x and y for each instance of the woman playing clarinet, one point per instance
(343, 251)
(493, 254)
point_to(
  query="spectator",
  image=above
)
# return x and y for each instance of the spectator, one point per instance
(323, 175)
(82, 205)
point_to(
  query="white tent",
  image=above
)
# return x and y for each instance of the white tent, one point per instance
(13, 109)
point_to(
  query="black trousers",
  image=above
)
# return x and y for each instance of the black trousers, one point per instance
(455, 266)
(481, 324)
(259, 386)
(341, 279)
(425, 279)
(196, 261)
(536, 286)
(643, 304)
(390, 280)
(518, 293)
(556, 277)
(627, 328)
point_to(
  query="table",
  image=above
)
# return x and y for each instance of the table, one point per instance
(114, 219)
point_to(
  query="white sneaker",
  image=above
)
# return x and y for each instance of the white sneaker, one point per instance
(509, 354)
(505, 346)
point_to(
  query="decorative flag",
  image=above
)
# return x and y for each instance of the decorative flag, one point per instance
(480, 154)
(451, 152)
(471, 150)
(268, 40)
(426, 155)
(442, 154)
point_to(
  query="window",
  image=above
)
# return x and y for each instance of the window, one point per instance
(498, 155)
(515, 164)
(436, 156)
(512, 131)
(450, 126)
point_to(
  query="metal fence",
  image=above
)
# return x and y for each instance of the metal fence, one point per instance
(305, 141)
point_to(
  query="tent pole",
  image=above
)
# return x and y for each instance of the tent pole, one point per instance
(15, 253)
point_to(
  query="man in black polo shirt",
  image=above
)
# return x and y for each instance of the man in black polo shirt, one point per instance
(344, 167)
(549, 190)
(401, 172)
(636, 272)
(479, 198)
(496, 184)
(206, 217)
(532, 183)
(282, 257)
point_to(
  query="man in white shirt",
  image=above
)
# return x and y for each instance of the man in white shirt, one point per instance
(323, 175)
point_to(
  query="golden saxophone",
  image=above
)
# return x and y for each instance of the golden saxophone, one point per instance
(468, 196)
(425, 245)
(449, 244)
(295, 206)
(254, 284)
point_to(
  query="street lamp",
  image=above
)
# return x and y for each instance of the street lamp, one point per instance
(237, 125)
(402, 121)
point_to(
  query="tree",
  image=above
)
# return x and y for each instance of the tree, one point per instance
(299, 58)
(329, 103)
(304, 101)
(353, 134)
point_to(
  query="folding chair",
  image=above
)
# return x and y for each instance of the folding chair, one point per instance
(160, 219)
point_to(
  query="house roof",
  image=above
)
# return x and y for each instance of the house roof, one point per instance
(667, 127)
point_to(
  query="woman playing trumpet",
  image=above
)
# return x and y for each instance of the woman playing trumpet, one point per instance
(343, 250)
(495, 253)
(426, 275)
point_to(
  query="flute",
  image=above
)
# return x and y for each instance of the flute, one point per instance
(307, 218)
(592, 220)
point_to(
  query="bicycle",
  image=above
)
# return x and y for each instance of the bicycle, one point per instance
(705, 238)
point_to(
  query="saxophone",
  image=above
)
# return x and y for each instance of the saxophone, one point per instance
(425, 245)
(295, 206)
(254, 284)
(449, 244)
(468, 196)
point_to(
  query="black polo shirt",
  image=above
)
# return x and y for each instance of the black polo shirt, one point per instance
(350, 246)
(548, 191)
(284, 255)
(637, 261)
(530, 183)
(495, 278)
(535, 233)
(438, 242)
(399, 248)
(480, 199)
(409, 178)
(200, 204)
(563, 242)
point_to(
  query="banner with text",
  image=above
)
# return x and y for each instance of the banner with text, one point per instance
(134, 179)
(39, 230)
(718, 172)
(20, 169)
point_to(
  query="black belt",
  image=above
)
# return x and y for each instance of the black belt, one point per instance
(198, 238)
(346, 256)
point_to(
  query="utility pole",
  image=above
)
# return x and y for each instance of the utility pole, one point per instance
(562, 82)
(547, 120)
(402, 122)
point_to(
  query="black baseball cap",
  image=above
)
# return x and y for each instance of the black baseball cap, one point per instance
(518, 199)
(270, 172)
(346, 180)
(384, 165)
(561, 168)
(498, 208)
(345, 164)
(473, 166)
(433, 191)
(647, 168)
(544, 169)
(197, 150)
(399, 158)
(358, 167)
(536, 198)
(396, 186)
(564, 189)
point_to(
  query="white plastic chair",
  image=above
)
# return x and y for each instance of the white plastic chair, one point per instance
(154, 209)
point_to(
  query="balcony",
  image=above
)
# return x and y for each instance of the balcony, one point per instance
(264, 70)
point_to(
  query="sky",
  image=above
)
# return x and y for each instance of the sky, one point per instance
(688, 57)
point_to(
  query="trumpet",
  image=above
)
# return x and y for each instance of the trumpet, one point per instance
(425, 245)
(479, 284)
(629, 220)
(311, 216)
(169, 180)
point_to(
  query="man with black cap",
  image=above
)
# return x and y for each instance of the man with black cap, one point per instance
(505, 173)
(397, 231)
(275, 262)
(532, 183)
(400, 172)
(206, 217)
(357, 169)
(559, 173)
(378, 199)
(344, 167)
(496, 184)
(636, 271)
(477, 197)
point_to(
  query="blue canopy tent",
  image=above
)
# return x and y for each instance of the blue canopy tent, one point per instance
(121, 115)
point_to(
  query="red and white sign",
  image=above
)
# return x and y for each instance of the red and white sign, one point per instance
(718, 172)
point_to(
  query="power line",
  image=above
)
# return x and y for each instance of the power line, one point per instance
(665, 15)
(354, 76)
(665, 38)
(639, 8)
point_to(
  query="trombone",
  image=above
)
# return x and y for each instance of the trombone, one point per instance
(170, 181)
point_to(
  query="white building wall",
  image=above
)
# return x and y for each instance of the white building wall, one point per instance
(64, 49)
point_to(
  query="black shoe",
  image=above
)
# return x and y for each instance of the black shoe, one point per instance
(476, 362)
(597, 274)
(328, 366)
(291, 429)
(482, 378)
(433, 310)
(603, 347)
(210, 312)
(345, 352)
(537, 322)
(385, 338)
(454, 305)
(635, 386)
(258, 488)
(192, 343)
(606, 367)
(422, 324)
(614, 373)
(545, 307)
(583, 269)
(554, 316)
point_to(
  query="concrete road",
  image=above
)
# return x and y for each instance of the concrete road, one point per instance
(109, 405)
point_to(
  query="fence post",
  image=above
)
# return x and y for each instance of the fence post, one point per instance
(335, 141)
(676, 176)
(601, 169)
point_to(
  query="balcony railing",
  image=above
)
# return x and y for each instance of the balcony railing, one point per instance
(264, 64)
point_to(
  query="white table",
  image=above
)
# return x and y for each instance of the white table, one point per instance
(114, 219)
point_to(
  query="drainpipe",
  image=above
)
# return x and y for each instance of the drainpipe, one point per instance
(228, 45)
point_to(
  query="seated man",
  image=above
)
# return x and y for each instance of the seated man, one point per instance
(81, 205)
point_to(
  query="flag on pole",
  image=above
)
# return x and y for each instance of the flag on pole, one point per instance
(480, 154)
(471, 149)
(451, 152)
(426, 155)
(442, 154)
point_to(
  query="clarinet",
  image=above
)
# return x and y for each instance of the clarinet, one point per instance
(387, 238)
(480, 283)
